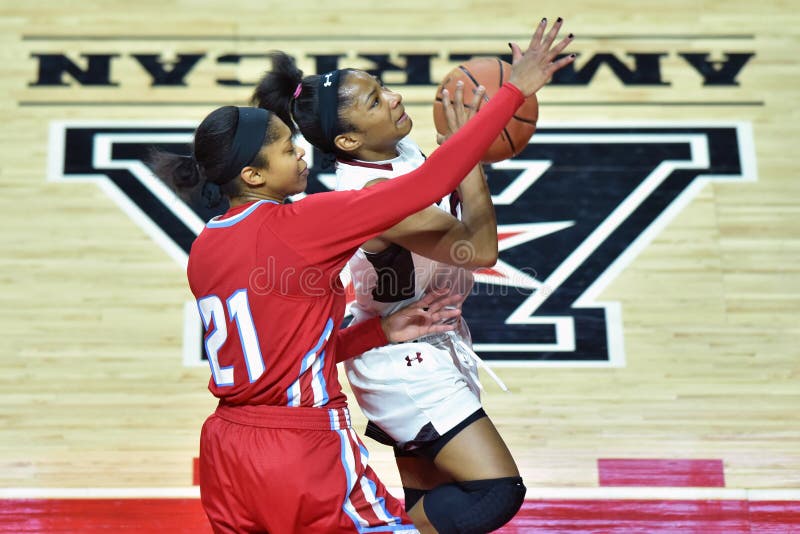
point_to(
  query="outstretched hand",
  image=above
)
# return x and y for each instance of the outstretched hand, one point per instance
(533, 68)
(423, 317)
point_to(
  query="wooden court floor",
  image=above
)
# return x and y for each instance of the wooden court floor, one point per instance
(94, 392)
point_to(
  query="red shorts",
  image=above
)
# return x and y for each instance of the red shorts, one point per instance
(281, 470)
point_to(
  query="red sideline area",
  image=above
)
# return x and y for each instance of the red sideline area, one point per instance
(661, 473)
(174, 515)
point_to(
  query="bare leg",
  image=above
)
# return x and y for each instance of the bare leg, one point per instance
(476, 453)
(417, 515)
(420, 473)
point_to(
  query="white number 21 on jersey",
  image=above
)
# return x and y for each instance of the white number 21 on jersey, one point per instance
(211, 308)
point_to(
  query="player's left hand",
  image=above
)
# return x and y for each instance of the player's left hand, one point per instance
(423, 317)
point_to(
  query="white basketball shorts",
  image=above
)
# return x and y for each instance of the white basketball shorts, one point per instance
(402, 388)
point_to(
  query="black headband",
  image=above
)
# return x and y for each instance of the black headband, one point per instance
(328, 92)
(247, 142)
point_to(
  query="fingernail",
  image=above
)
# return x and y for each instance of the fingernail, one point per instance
(570, 36)
(572, 55)
(544, 20)
(509, 45)
(559, 19)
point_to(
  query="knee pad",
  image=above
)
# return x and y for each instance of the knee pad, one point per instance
(474, 507)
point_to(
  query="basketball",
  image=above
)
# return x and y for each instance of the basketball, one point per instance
(491, 72)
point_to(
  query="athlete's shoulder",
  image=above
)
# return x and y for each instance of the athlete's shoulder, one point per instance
(355, 174)
(235, 216)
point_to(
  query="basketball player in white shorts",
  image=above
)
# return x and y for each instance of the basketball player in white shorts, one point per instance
(415, 392)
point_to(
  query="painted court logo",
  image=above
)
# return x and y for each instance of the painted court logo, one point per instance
(573, 209)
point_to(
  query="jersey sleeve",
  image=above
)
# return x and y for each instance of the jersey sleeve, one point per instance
(360, 338)
(329, 226)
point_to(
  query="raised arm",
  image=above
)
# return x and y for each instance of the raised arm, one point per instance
(352, 217)
(470, 242)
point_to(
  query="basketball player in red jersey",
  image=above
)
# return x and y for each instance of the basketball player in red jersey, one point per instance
(279, 455)
(423, 398)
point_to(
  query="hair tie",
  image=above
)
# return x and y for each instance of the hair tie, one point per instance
(297, 90)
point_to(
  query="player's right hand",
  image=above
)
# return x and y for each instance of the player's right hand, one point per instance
(456, 113)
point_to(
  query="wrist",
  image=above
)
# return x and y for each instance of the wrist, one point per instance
(384, 321)
(512, 86)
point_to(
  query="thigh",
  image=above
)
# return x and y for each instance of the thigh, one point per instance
(477, 452)
(279, 480)
(420, 473)
(220, 487)
(367, 503)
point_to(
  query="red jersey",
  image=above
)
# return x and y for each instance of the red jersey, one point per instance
(266, 275)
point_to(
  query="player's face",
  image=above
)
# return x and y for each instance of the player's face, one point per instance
(376, 112)
(286, 172)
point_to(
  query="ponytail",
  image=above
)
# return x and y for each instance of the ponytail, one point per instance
(296, 99)
(277, 89)
(181, 172)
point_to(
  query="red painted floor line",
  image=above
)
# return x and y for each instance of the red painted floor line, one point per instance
(768, 517)
(552, 516)
(661, 473)
(630, 516)
(95, 516)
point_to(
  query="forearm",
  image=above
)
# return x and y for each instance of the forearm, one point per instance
(461, 153)
(358, 339)
(361, 215)
(478, 217)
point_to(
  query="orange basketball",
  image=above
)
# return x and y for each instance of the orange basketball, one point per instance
(490, 72)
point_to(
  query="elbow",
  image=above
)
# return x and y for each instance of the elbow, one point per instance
(486, 260)
(467, 255)
(490, 254)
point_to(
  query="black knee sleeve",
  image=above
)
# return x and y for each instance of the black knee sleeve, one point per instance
(412, 496)
(474, 507)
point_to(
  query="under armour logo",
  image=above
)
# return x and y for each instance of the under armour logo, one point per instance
(409, 359)
(327, 80)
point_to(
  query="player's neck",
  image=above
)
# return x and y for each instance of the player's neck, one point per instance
(377, 154)
(246, 198)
